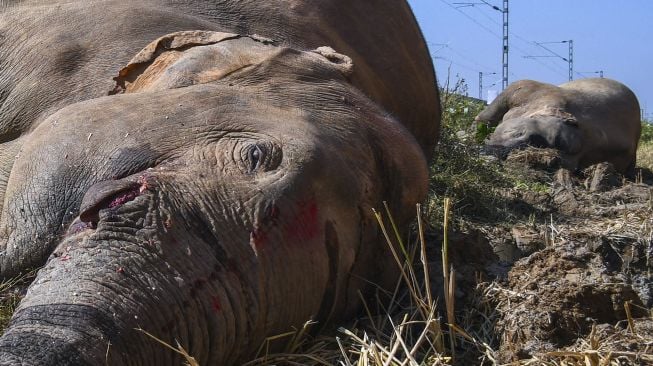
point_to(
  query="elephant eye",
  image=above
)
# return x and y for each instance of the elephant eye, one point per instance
(255, 157)
(260, 156)
(516, 133)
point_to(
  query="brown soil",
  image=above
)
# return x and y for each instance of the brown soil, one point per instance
(574, 265)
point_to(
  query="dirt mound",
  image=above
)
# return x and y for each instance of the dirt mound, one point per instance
(581, 267)
(555, 295)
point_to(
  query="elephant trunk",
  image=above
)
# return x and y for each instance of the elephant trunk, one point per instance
(105, 286)
(57, 334)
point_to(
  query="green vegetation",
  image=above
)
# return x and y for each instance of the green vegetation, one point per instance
(459, 171)
(645, 149)
(647, 132)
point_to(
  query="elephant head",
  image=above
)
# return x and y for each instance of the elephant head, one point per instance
(222, 194)
(544, 131)
(530, 113)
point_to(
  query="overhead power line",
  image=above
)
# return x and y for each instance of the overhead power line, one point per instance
(484, 14)
(472, 19)
(458, 53)
(569, 59)
(552, 66)
(469, 59)
(581, 73)
(505, 43)
(468, 67)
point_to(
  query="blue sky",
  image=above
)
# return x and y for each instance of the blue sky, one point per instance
(613, 36)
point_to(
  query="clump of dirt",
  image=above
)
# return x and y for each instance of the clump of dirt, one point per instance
(536, 160)
(555, 295)
(580, 266)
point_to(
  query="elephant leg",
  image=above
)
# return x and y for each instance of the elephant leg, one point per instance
(630, 172)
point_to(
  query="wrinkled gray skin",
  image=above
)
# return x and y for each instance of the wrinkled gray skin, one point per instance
(223, 192)
(588, 120)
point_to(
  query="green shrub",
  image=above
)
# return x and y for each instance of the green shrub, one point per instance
(647, 132)
(460, 171)
(645, 148)
(459, 110)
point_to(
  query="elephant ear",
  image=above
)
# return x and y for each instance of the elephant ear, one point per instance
(402, 164)
(151, 67)
(187, 58)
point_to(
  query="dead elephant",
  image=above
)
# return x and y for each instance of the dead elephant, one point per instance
(588, 120)
(223, 191)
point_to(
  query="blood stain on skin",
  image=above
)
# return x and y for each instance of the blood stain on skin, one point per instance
(304, 226)
(216, 306)
(124, 198)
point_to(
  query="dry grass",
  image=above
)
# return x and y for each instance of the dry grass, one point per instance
(11, 292)
(190, 360)
(599, 349)
(645, 155)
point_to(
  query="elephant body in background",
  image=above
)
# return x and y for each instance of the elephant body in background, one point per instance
(203, 170)
(589, 120)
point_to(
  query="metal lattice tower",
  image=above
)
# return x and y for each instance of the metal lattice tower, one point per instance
(505, 41)
(505, 45)
(480, 85)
